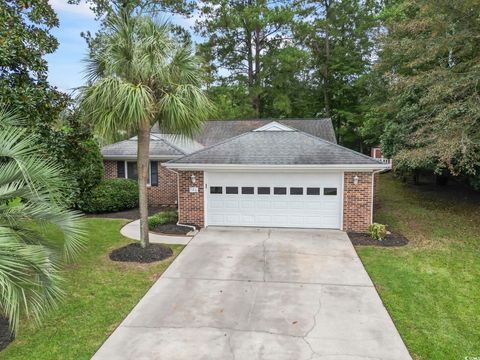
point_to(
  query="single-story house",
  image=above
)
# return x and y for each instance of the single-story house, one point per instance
(283, 173)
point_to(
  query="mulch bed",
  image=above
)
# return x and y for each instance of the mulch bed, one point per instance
(6, 337)
(135, 253)
(393, 239)
(172, 229)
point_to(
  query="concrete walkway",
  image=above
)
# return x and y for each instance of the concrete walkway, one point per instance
(270, 294)
(132, 231)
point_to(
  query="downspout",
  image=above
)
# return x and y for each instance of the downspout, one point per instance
(373, 188)
(178, 201)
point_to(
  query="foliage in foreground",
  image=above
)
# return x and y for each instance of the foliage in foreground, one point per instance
(101, 294)
(111, 195)
(161, 218)
(431, 286)
(32, 195)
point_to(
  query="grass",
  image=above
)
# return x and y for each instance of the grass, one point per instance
(431, 287)
(100, 293)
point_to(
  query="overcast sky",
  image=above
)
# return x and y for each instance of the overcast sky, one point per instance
(65, 66)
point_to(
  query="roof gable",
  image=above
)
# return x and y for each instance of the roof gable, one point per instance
(274, 126)
(277, 148)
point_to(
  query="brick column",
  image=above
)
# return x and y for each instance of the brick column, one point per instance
(357, 201)
(190, 207)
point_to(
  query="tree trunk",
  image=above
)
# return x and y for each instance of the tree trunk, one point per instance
(142, 166)
(326, 85)
(256, 100)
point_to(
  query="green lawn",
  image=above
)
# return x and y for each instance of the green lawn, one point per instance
(431, 287)
(100, 293)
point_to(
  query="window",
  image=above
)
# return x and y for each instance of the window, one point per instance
(280, 191)
(296, 191)
(263, 191)
(248, 190)
(313, 191)
(215, 189)
(131, 171)
(330, 191)
(231, 190)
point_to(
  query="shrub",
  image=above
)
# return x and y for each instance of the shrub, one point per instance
(164, 217)
(377, 231)
(111, 195)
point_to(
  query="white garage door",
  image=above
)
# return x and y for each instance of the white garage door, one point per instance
(303, 200)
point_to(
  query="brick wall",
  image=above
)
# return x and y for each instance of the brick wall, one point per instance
(357, 201)
(165, 194)
(190, 207)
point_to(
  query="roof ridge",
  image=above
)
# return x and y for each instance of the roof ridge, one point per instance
(173, 146)
(212, 146)
(340, 146)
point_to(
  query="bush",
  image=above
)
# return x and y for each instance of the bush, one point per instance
(161, 218)
(377, 231)
(111, 195)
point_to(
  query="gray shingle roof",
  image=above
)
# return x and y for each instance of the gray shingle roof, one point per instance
(161, 145)
(276, 148)
(215, 131)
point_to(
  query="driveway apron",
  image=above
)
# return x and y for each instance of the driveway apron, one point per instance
(258, 293)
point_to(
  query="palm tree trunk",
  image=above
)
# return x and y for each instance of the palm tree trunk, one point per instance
(142, 164)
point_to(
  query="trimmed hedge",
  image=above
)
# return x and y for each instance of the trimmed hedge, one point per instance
(164, 217)
(111, 195)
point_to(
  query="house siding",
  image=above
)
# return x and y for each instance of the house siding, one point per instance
(191, 205)
(164, 194)
(357, 201)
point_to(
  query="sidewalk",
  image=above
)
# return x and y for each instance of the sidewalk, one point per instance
(132, 231)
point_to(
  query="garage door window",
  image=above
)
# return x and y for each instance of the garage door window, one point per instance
(330, 191)
(296, 191)
(313, 191)
(263, 191)
(280, 191)
(247, 190)
(215, 189)
(231, 190)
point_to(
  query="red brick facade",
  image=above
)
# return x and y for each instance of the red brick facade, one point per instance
(164, 194)
(190, 207)
(357, 201)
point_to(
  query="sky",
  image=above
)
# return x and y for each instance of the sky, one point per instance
(65, 66)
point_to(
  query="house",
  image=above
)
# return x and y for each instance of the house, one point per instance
(284, 173)
(376, 153)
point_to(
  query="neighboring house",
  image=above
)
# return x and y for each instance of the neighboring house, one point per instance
(376, 153)
(284, 173)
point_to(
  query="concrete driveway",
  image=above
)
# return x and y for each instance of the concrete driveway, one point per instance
(246, 294)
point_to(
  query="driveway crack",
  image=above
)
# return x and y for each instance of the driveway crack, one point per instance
(265, 254)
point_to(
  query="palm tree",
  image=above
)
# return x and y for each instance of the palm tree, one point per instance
(32, 190)
(140, 74)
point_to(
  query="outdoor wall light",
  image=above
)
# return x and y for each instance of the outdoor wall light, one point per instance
(194, 179)
(355, 180)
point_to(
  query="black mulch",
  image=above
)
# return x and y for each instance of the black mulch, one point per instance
(132, 214)
(6, 336)
(135, 253)
(393, 239)
(172, 229)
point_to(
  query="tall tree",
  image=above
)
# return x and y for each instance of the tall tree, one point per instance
(339, 35)
(32, 195)
(241, 35)
(139, 75)
(431, 62)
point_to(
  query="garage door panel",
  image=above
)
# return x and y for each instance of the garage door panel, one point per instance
(311, 209)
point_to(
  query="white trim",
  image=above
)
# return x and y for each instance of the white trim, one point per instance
(342, 200)
(274, 126)
(373, 194)
(205, 188)
(345, 167)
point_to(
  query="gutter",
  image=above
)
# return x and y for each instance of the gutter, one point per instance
(240, 167)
